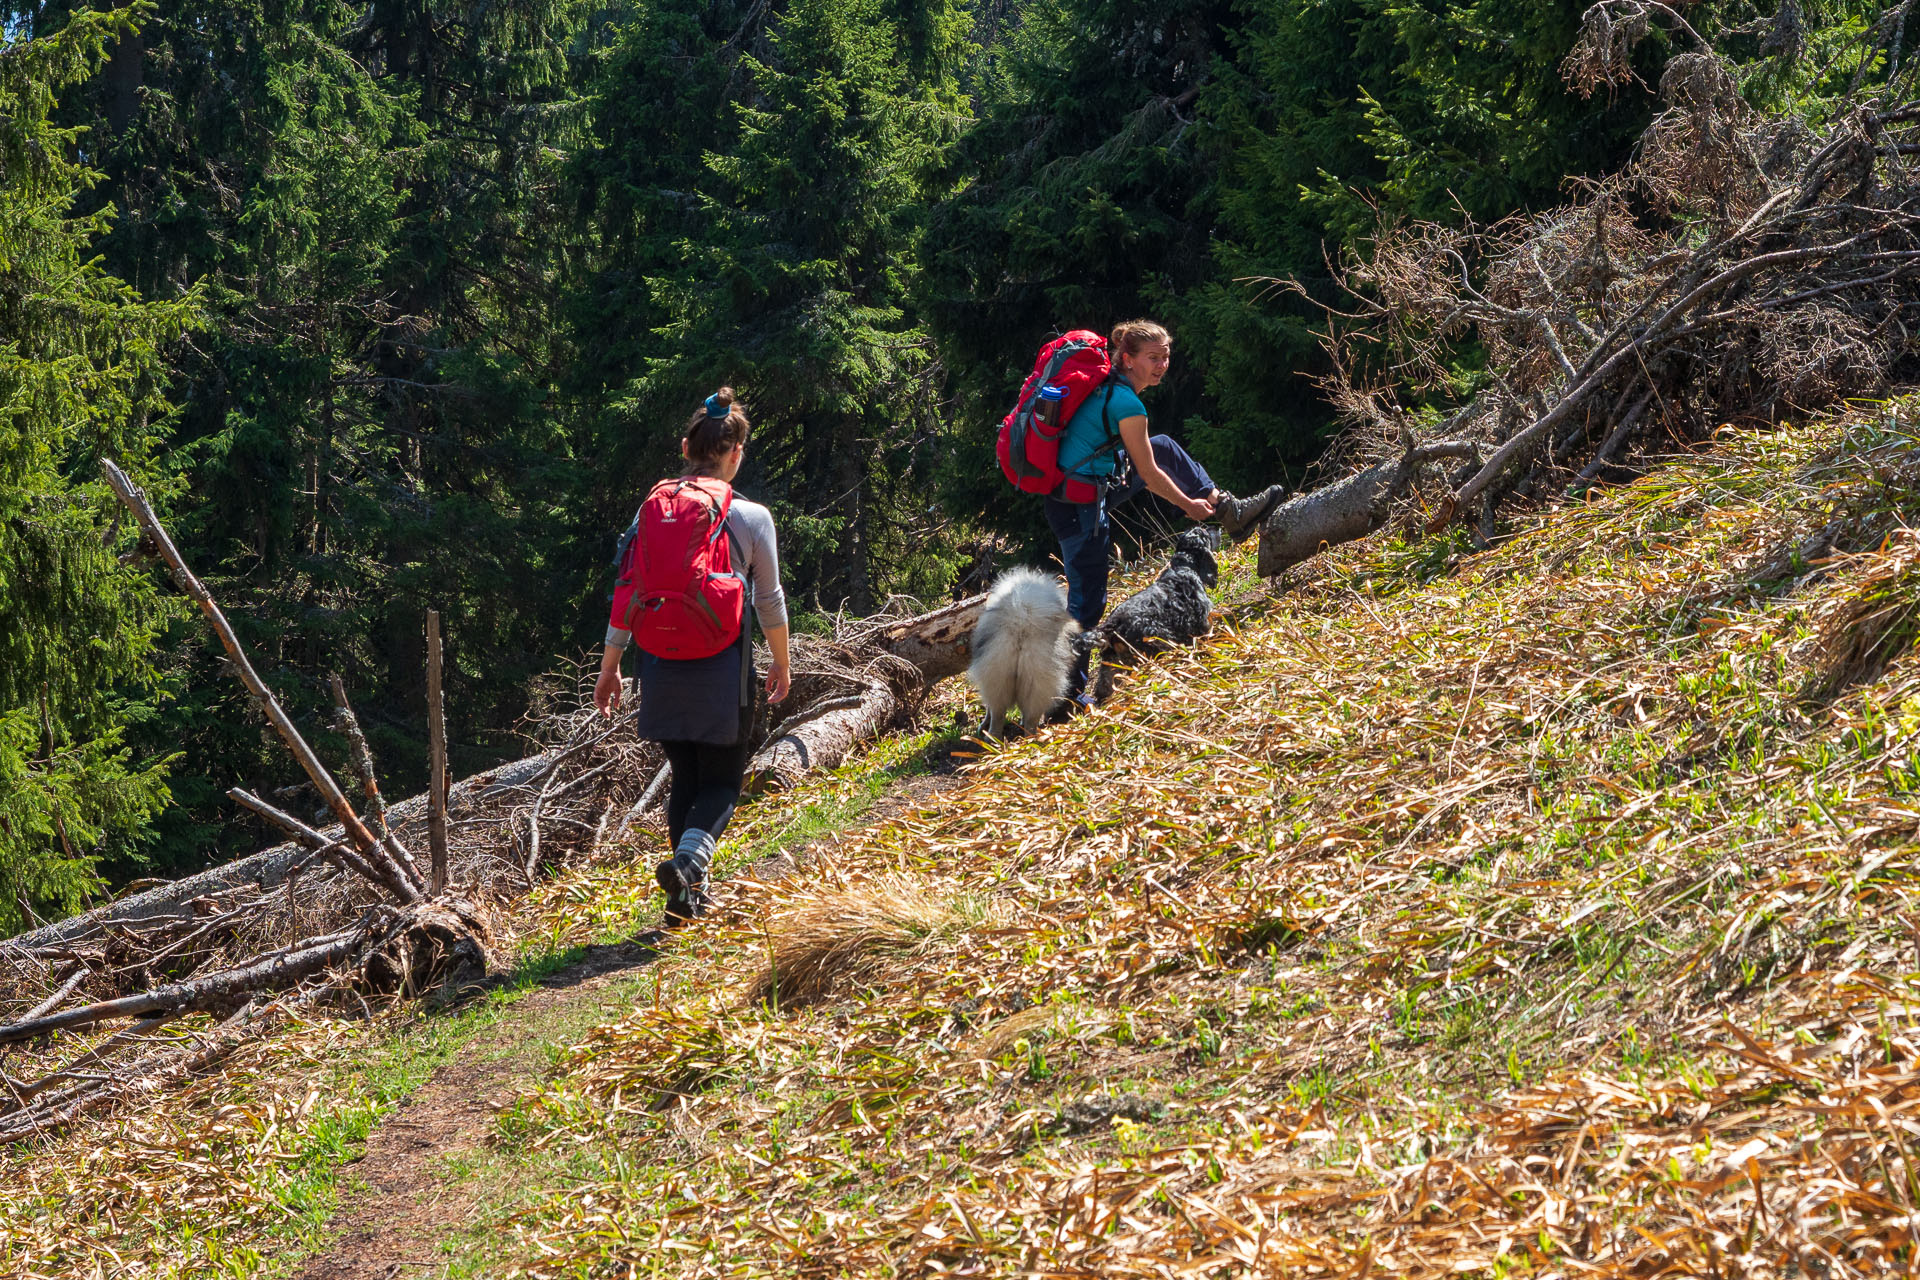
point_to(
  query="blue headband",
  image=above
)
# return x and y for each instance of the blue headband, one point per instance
(717, 410)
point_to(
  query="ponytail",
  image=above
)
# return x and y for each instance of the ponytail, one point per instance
(714, 429)
(1130, 335)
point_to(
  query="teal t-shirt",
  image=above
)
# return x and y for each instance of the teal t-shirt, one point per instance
(1095, 423)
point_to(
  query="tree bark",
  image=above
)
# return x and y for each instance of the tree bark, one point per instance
(939, 642)
(437, 761)
(1346, 510)
(823, 737)
(213, 991)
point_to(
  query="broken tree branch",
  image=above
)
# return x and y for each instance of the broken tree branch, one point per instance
(361, 754)
(379, 870)
(136, 502)
(279, 969)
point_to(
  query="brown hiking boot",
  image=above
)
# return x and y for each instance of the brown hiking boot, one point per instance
(1239, 517)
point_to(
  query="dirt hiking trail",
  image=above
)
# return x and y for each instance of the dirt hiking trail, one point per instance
(402, 1203)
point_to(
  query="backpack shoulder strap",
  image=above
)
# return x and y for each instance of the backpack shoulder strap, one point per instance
(1113, 440)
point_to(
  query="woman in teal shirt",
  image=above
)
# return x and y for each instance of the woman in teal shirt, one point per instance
(1114, 418)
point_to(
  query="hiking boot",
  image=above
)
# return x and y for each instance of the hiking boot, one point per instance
(1239, 517)
(686, 889)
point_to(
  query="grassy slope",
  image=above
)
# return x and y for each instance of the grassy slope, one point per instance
(1520, 911)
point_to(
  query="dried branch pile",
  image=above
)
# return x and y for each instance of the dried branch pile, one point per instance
(1742, 268)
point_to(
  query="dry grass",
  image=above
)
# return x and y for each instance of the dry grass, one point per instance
(1460, 915)
(821, 944)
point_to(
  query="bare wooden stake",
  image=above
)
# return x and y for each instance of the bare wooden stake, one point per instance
(437, 758)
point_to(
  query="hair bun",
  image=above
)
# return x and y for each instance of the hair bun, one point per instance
(723, 397)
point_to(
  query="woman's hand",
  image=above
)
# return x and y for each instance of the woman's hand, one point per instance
(779, 680)
(606, 692)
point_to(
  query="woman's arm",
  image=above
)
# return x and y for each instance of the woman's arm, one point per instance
(761, 544)
(606, 690)
(780, 674)
(1133, 434)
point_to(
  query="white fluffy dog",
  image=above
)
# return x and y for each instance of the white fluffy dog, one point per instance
(1022, 648)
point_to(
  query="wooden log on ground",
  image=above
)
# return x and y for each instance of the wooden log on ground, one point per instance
(823, 737)
(939, 643)
(211, 991)
(146, 1077)
(1348, 509)
(268, 868)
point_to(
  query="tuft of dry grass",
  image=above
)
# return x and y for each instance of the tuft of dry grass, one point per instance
(1860, 633)
(826, 943)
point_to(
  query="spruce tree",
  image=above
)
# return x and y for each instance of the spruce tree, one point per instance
(364, 194)
(83, 369)
(781, 262)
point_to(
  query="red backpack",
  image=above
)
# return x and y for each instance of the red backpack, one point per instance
(1029, 449)
(677, 591)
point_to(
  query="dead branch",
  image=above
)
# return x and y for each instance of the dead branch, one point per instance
(380, 871)
(212, 992)
(1740, 268)
(436, 759)
(361, 754)
(317, 773)
(55, 1000)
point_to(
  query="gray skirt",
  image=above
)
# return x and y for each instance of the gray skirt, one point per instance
(705, 700)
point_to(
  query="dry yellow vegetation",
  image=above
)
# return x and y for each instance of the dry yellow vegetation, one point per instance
(1542, 910)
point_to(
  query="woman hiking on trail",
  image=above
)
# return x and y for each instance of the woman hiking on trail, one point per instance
(1114, 418)
(700, 556)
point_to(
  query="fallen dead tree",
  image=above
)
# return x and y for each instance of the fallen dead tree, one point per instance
(1742, 268)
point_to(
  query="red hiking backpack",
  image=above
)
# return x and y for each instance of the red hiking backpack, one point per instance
(1029, 449)
(677, 590)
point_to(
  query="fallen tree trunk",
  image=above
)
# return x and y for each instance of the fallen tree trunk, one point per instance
(939, 643)
(824, 740)
(860, 686)
(214, 991)
(158, 1071)
(1346, 510)
(268, 868)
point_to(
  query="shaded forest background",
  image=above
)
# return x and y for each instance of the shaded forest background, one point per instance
(400, 304)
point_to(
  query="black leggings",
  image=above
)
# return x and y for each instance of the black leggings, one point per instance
(705, 787)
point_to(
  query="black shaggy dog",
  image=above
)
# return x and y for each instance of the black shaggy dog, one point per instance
(1171, 610)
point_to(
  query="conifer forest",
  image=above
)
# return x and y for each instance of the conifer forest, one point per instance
(398, 305)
